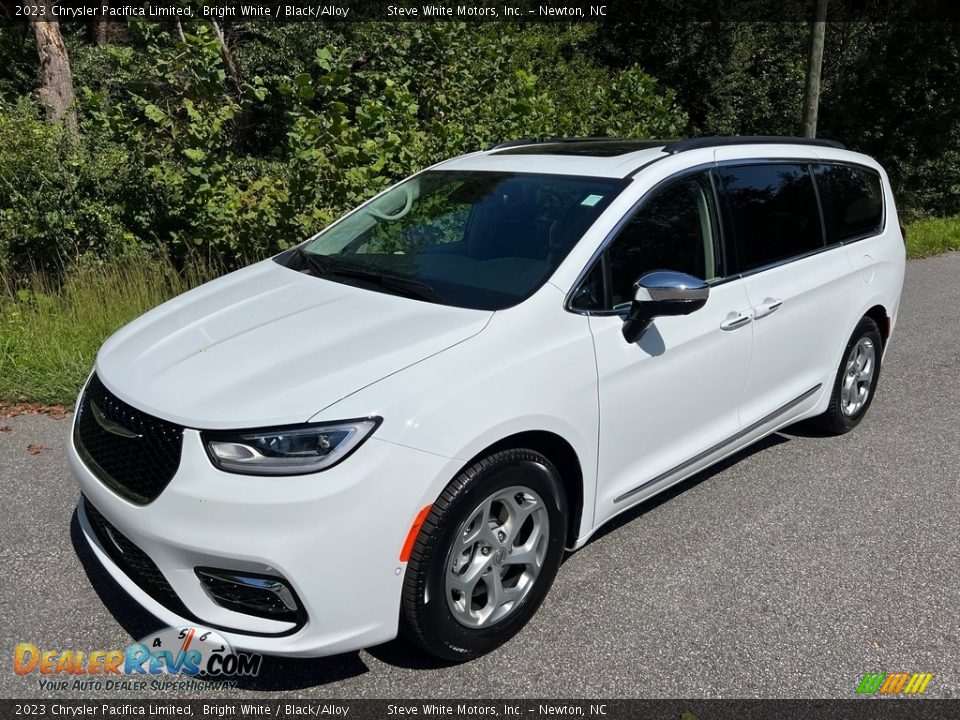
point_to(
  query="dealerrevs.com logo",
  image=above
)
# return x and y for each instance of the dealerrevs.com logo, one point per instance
(174, 658)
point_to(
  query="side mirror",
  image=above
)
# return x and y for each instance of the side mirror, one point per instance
(661, 293)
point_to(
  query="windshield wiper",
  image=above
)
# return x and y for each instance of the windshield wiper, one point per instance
(405, 286)
(396, 283)
(314, 262)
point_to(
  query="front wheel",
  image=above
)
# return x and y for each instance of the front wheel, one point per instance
(485, 556)
(856, 380)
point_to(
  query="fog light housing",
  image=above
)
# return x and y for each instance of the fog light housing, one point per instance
(263, 596)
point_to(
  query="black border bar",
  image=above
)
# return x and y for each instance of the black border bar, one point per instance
(521, 11)
(890, 708)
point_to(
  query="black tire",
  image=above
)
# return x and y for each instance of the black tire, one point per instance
(426, 618)
(835, 420)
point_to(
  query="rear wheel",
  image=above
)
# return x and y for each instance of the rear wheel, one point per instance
(486, 555)
(856, 380)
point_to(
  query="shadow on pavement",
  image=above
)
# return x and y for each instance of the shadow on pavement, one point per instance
(402, 653)
(644, 507)
(278, 674)
(806, 429)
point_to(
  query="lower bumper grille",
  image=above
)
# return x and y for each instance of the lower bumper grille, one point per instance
(135, 563)
(271, 598)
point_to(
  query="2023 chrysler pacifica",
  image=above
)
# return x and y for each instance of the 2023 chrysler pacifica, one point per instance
(402, 423)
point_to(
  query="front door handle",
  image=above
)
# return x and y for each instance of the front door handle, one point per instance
(768, 307)
(738, 320)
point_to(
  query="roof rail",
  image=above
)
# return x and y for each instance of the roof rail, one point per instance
(536, 141)
(722, 140)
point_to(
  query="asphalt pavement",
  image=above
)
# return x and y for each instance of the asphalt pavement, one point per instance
(787, 571)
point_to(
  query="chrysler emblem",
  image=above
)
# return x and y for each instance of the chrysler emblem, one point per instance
(109, 425)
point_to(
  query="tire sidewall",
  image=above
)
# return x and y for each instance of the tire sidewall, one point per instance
(865, 328)
(527, 469)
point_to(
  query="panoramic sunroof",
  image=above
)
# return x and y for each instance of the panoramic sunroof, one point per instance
(587, 148)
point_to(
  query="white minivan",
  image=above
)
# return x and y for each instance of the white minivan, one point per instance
(403, 423)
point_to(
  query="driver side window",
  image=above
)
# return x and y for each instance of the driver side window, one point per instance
(675, 229)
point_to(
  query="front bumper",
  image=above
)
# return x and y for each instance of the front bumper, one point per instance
(335, 537)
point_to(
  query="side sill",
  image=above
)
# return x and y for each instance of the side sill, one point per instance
(782, 410)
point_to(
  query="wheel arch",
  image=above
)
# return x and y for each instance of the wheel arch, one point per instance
(878, 313)
(563, 457)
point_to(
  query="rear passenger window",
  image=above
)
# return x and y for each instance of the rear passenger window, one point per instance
(852, 201)
(773, 209)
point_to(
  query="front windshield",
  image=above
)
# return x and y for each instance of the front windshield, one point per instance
(484, 240)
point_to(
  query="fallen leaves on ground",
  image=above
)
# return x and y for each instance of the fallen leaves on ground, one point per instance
(57, 412)
(35, 448)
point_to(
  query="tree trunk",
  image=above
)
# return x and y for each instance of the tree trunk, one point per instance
(100, 29)
(228, 60)
(811, 98)
(56, 88)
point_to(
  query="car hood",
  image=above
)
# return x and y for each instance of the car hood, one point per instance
(267, 345)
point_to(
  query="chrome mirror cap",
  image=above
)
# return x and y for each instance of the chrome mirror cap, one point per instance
(662, 293)
(670, 285)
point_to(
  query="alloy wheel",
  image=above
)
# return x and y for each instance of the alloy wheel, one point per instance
(496, 557)
(858, 377)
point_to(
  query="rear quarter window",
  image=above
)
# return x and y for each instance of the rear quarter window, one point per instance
(773, 212)
(852, 200)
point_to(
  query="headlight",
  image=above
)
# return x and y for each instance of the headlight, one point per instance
(293, 450)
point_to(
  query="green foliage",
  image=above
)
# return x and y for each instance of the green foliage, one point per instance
(732, 78)
(633, 105)
(889, 89)
(178, 153)
(893, 92)
(181, 116)
(590, 98)
(49, 333)
(933, 236)
(59, 202)
(18, 69)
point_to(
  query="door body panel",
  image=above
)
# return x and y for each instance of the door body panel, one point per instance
(795, 345)
(799, 288)
(668, 396)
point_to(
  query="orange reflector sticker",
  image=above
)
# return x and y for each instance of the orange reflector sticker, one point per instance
(412, 535)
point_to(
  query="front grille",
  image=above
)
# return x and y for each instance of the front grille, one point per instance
(133, 453)
(133, 561)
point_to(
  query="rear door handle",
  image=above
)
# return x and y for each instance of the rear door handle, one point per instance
(738, 320)
(767, 307)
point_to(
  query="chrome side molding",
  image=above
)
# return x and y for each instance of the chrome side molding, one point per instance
(782, 410)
